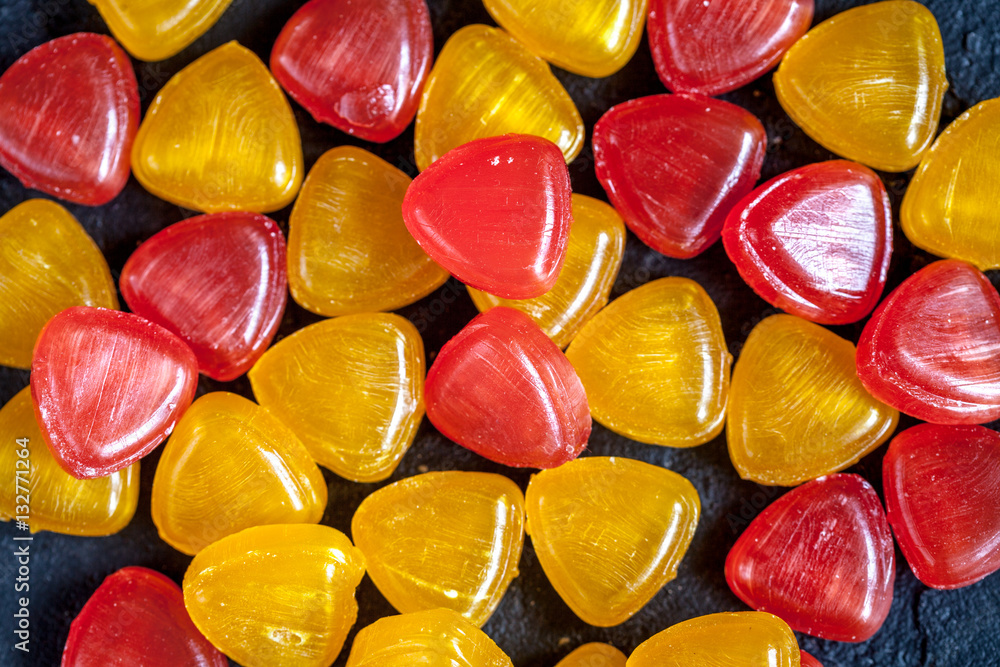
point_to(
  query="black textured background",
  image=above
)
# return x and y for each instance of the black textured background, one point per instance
(925, 627)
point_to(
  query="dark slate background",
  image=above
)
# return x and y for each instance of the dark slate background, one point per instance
(926, 627)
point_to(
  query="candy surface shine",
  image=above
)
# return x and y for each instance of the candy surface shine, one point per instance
(220, 136)
(350, 388)
(276, 595)
(157, 29)
(47, 264)
(229, 465)
(485, 84)
(655, 364)
(797, 409)
(443, 540)
(610, 532)
(594, 654)
(348, 248)
(868, 83)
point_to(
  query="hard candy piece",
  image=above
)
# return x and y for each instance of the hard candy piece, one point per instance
(220, 136)
(137, 617)
(807, 660)
(218, 282)
(932, 348)
(868, 83)
(950, 207)
(593, 256)
(157, 30)
(485, 84)
(108, 387)
(359, 66)
(447, 540)
(821, 558)
(59, 502)
(348, 249)
(815, 241)
(496, 213)
(69, 110)
(47, 264)
(501, 388)
(229, 465)
(797, 410)
(350, 388)
(594, 654)
(276, 595)
(610, 532)
(942, 496)
(674, 165)
(655, 365)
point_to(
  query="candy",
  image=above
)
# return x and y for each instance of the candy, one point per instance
(359, 66)
(504, 390)
(868, 83)
(69, 110)
(47, 264)
(158, 30)
(229, 465)
(220, 136)
(820, 557)
(815, 241)
(108, 387)
(485, 84)
(447, 540)
(594, 655)
(655, 366)
(797, 409)
(610, 533)
(807, 660)
(350, 388)
(216, 281)
(348, 249)
(673, 166)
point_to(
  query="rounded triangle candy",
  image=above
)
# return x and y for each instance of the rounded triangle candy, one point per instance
(594, 654)
(156, 31)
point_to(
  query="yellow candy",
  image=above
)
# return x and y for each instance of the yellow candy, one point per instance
(276, 595)
(443, 539)
(350, 388)
(655, 364)
(157, 29)
(485, 84)
(797, 409)
(610, 532)
(594, 655)
(58, 501)
(230, 465)
(47, 264)
(593, 257)
(220, 136)
(348, 249)
(950, 208)
(868, 83)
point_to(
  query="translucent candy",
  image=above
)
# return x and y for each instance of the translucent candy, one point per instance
(158, 29)
(594, 655)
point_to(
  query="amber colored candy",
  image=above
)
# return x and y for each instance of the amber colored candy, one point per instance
(59, 502)
(47, 264)
(868, 83)
(797, 409)
(610, 532)
(156, 30)
(594, 655)
(348, 249)
(443, 539)
(593, 257)
(655, 366)
(276, 595)
(220, 136)
(485, 84)
(350, 388)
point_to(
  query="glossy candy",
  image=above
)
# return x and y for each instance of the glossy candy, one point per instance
(807, 660)
(594, 655)
(504, 390)
(655, 364)
(610, 532)
(674, 165)
(69, 111)
(158, 29)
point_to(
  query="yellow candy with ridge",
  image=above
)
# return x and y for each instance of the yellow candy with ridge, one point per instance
(157, 29)
(594, 655)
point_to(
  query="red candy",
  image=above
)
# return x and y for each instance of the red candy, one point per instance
(815, 241)
(218, 282)
(820, 558)
(942, 495)
(69, 111)
(806, 660)
(504, 390)
(674, 165)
